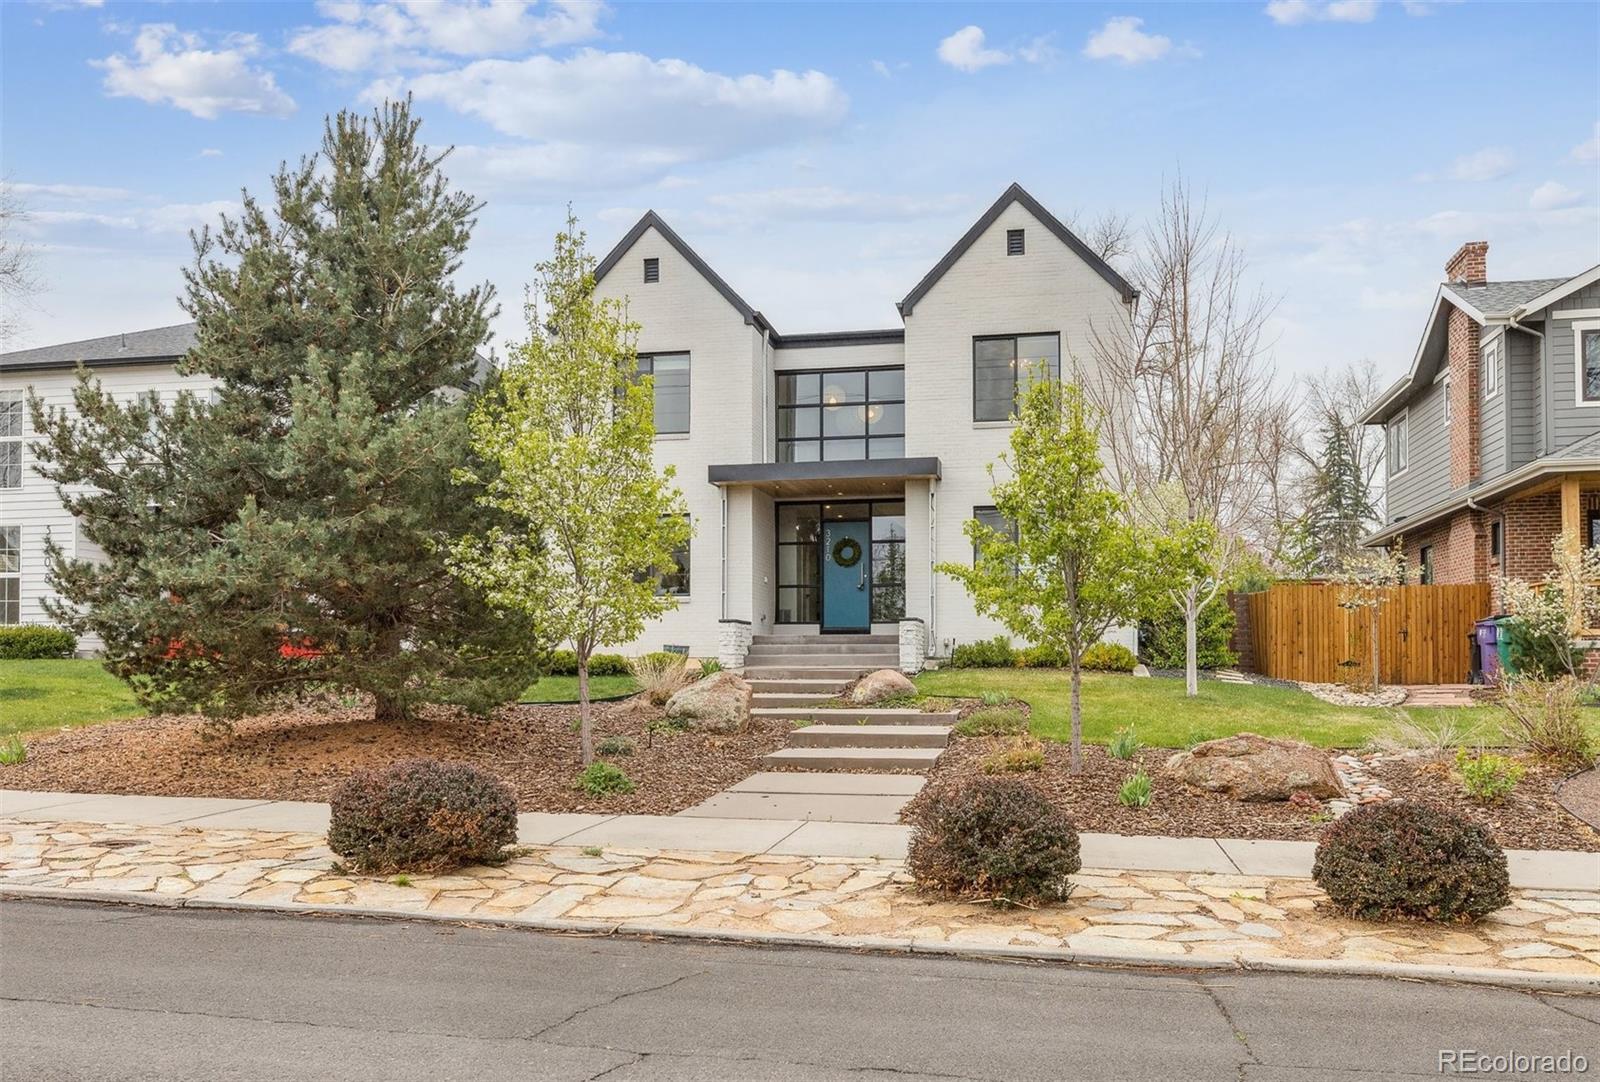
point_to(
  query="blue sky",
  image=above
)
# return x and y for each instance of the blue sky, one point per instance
(822, 157)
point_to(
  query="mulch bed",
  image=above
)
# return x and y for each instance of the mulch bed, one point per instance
(304, 754)
(1530, 818)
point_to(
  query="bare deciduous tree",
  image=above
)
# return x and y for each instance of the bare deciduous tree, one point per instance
(1110, 236)
(1192, 402)
(18, 275)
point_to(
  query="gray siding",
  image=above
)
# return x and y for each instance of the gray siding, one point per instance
(1426, 480)
(1525, 424)
(1569, 422)
(1492, 418)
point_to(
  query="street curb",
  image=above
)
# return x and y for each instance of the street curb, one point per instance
(1133, 958)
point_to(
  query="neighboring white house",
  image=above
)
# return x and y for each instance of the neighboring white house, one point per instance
(825, 473)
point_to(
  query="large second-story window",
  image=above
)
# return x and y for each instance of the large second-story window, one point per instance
(11, 426)
(841, 414)
(1005, 366)
(671, 371)
(1589, 364)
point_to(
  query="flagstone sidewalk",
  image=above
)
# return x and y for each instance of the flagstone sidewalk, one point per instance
(1545, 938)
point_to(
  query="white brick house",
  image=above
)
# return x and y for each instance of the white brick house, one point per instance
(826, 474)
(789, 446)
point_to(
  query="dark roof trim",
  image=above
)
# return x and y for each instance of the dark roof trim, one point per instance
(1016, 194)
(861, 470)
(1537, 470)
(820, 339)
(90, 362)
(652, 220)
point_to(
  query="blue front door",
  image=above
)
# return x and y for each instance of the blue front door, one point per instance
(846, 576)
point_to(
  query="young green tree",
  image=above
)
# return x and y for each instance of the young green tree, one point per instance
(1190, 563)
(1072, 570)
(283, 535)
(1366, 584)
(568, 433)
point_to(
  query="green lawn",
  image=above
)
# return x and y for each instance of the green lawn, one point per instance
(1161, 714)
(37, 695)
(564, 689)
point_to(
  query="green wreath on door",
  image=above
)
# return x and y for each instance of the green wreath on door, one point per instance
(847, 552)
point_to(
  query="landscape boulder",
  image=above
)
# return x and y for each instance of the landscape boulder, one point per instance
(1249, 767)
(720, 703)
(880, 685)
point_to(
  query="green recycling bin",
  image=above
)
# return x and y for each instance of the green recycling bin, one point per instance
(1503, 645)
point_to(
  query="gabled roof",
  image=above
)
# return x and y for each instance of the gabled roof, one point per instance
(1427, 349)
(652, 220)
(1016, 194)
(1560, 289)
(160, 345)
(1484, 301)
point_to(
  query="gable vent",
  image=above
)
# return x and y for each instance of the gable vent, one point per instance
(1014, 242)
(652, 270)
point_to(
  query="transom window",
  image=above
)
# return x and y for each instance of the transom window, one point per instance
(1589, 364)
(10, 574)
(671, 372)
(1399, 443)
(1005, 366)
(1493, 355)
(841, 414)
(12, 423)
(800, 557)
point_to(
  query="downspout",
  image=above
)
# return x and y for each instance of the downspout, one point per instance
(933, 537)
(724, 491)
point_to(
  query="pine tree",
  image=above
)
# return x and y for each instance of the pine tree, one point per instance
(286, 534)
(1339, 509)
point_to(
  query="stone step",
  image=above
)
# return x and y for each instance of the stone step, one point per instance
(764, 640)
(773, 700)
(856, 663)
(802, 671)
(870, 736)
(797, 687)
(853, 715)
(853, 758)
(823, 649)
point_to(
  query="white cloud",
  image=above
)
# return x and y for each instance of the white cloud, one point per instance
(1589, 149)
(1553, 195)
(610, 117)
(965, 51)
(827, 203)
(1296, 12)
(173, 68)
(1121, 39)
(882, 69)
(210, 152)
(1040, 50)
(75, 192)
(416, 33)
(1490, 163)
(167, 218)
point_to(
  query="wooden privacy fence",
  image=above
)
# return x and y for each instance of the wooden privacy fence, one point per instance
(1299, 631)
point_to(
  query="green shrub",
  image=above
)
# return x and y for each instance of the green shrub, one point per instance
(565, 663)
(992, 837)
(709, 667)
(1108, 657)
(1546, 718)
(30, 642)
(603, 779)
(615, 747)
(422, 815)
(1164, 637)
(993, 721)
(995, 653)
(1487, 778)
(994, 698)
(13, 751)
(1411, 859)
(1019, 756)
(1124, 743)
(1532, 655)
(1040, 657)
(1137, 791)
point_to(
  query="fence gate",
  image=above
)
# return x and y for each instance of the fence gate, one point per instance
(1299, 631)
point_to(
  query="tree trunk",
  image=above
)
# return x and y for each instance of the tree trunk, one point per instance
(585, 733)
(389, 708)
(1077, 713)
(1191, 646)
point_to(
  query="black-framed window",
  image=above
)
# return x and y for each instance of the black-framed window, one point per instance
(800, 557)
(1497, 542)
(1592, 527)
(671, 372)
(1015, 244)
(1005, 366)
(652, 270)
(13, 422)
(675, 581)
(1589, 348)
(992, 518)
(841, 414)
(1425, 562)
(10, 574)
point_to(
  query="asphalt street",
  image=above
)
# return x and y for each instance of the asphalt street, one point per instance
(106, 992)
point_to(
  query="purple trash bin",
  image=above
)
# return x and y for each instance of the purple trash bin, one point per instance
(1488, 632)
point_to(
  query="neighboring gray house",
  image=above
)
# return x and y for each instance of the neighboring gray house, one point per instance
(1494, 433)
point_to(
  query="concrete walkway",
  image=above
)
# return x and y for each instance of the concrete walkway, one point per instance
(1534, 869)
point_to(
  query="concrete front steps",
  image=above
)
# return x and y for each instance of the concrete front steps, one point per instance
(844, 758)
(834, 659)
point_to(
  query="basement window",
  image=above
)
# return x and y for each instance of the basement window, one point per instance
(652, 270)
(1014, 242)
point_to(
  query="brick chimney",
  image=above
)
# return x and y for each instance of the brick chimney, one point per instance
(1469, 266)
